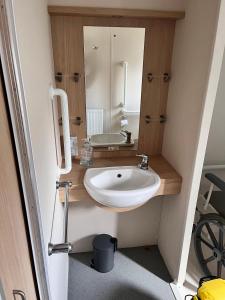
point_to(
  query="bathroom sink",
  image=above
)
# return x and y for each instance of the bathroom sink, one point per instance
(109, 139)
(121, 187)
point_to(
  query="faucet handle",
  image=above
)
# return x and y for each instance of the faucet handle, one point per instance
(145, 161)
(144, 156)
(127, 134)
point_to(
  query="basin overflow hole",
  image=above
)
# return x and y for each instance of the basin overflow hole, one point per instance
(119, 175)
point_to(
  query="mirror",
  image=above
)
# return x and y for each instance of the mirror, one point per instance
(113, 58)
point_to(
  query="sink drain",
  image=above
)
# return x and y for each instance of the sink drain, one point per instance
(119, 175)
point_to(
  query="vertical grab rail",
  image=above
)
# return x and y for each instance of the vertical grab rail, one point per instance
(66, 127)
(64, 247)
(125, 66)
(67, 185)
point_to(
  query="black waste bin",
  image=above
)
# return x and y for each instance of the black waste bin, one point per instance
(104, 246)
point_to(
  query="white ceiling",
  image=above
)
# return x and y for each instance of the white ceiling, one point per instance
(142, 4)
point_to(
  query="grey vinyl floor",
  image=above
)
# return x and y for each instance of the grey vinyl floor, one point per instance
(139, 274)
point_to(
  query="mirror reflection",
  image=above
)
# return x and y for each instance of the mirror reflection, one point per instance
(113, 59)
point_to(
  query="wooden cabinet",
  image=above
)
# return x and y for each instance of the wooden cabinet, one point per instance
(67, 35)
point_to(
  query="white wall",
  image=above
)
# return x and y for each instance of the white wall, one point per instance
(138, 227)
(194, 39)
(215, 151)
(142, 4)
(34, 43)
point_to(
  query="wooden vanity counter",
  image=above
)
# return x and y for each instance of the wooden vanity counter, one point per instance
(170, 179)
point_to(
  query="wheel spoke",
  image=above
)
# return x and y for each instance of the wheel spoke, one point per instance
(206, 243)
(221, 239)
(219, 268)
(212, 236)
(208, 260)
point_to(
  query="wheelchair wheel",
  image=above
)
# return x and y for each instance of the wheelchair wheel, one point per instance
(209, 244)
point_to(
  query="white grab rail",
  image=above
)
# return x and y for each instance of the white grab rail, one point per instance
(213, 167)
(125, 66)
(66, 127)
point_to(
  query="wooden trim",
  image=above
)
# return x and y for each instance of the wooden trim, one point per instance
(114, 12)
(15, 262)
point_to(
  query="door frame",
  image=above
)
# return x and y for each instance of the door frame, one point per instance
(217, 56)
(18, 114)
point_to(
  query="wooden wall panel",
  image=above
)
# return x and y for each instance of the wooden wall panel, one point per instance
(157, 60)
(76, 90)
(60, 45)
(67, 39)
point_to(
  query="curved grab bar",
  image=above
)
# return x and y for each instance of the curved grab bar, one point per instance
(66, 127)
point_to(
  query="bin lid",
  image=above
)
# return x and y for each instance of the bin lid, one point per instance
(104, 242)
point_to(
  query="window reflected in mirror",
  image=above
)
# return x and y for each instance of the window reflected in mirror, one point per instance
(113, 59)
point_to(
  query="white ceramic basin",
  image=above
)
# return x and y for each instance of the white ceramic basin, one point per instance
(121, 187)
(108, 139)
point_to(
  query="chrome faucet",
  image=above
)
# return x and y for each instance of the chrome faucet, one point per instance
(144, 163)
(127, 135)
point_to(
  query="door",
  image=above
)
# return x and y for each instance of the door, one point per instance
(16, 275)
